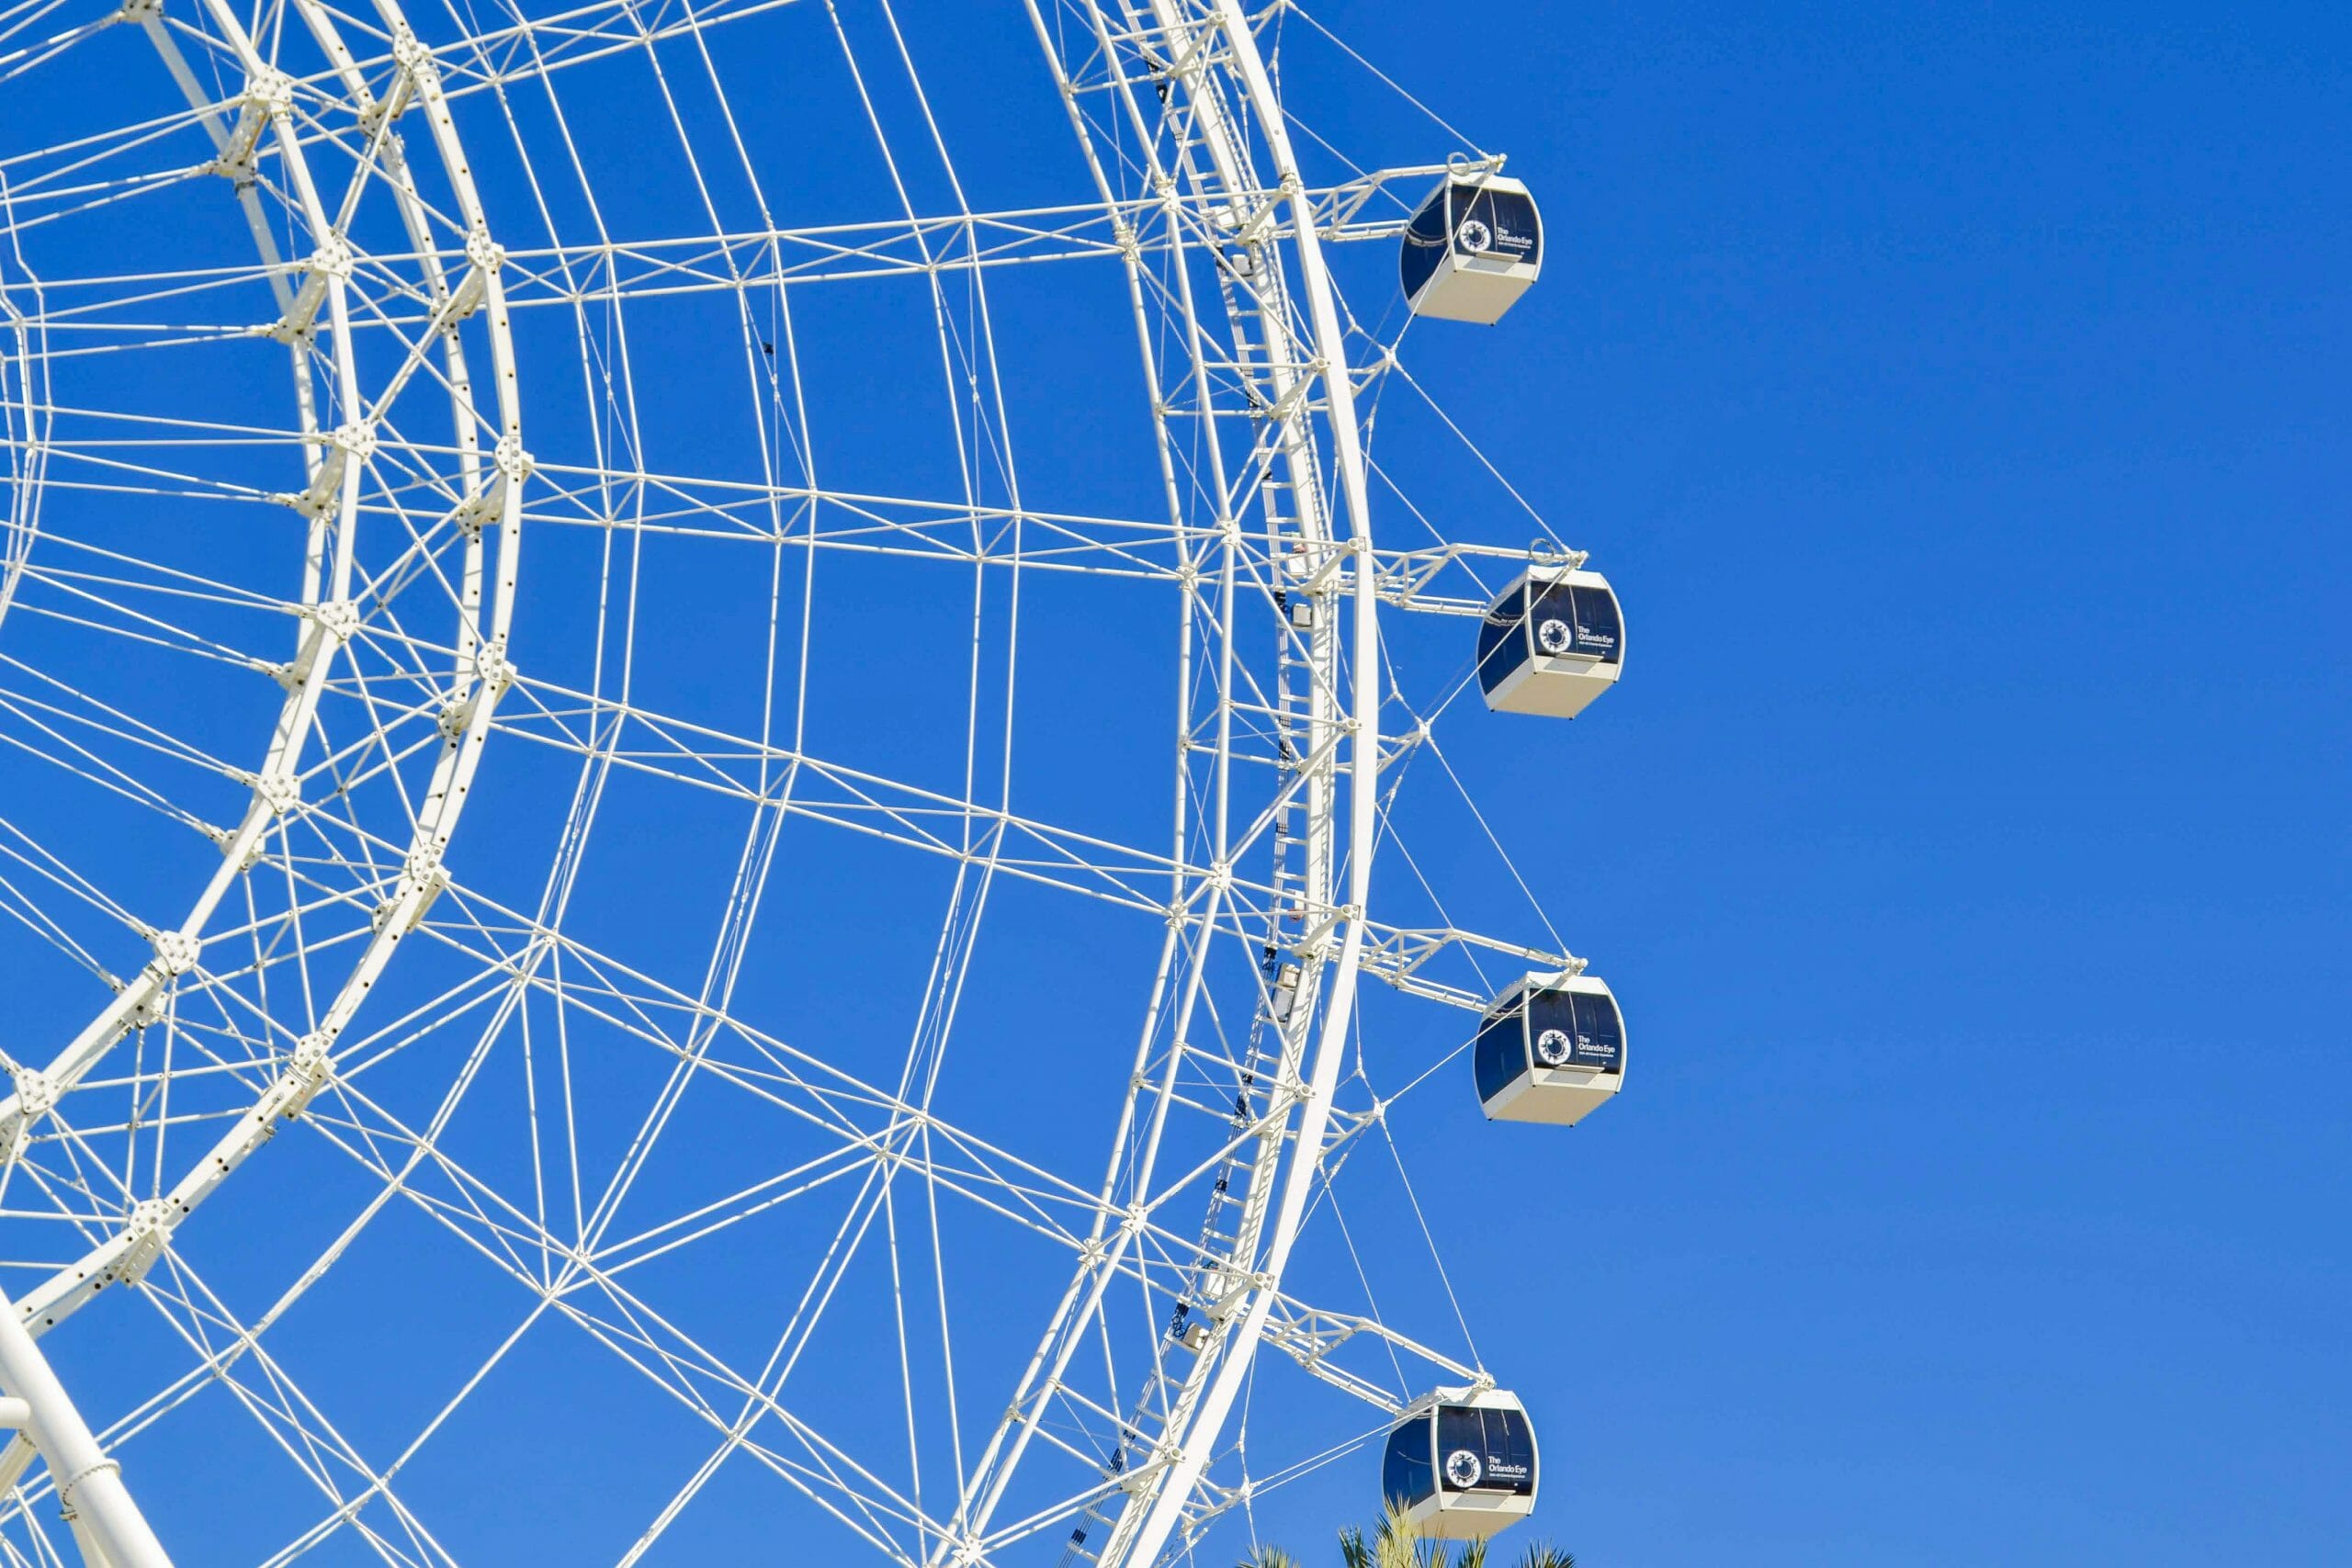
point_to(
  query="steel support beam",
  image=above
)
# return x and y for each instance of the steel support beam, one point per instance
(89, 1485)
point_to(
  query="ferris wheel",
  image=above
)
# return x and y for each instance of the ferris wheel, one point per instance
(712, 718)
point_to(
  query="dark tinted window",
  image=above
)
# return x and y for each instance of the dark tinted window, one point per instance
(1485, 1451)
(1554, 620)
(1575, 1030)
(1581, 623)
(1497, 224)
(1461, 1432)
(1552, 1030)
(1502, 641)
(1511, 1451)
(1430, 225)
(1500, 1055)
(1424, 244)
(1600, 1033)
(1600, 631)
(1405, 1475)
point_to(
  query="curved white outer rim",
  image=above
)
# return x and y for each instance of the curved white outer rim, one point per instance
(1175, 1484)
(115, 1530)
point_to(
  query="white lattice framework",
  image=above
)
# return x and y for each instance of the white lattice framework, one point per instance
(276, 285)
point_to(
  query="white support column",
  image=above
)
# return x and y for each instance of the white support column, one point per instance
(113, 1532)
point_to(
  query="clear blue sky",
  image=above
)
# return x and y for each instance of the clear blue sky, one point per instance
(1958, 397)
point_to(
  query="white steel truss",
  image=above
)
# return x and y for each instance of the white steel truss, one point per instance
(268, 316)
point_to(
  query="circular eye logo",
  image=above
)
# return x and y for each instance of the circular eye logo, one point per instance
(1464, 1468)
(1554, 635)
(1552, 1047)
(1475, 235)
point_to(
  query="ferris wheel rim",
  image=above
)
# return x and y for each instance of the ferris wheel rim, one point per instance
(329, 619)
(1174, 1488)
(1150, 1512)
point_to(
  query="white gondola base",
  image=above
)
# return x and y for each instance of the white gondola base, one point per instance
(1551, 1050)
(1551, 642)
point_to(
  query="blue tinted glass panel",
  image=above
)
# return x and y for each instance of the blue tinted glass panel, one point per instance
(1553, 621)
(1578, 623)
(1405, 1475)
(1502, 640)
(1429, 224)
(1579, 1032)
(1461, 1449)
(1485, 1451)
(1511, 1452)
(1600, 629)
(1424, 246)
(1500, 1055)
(1499, 225)
(1600, 1033)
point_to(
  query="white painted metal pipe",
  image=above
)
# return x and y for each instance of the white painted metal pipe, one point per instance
(88, 1482)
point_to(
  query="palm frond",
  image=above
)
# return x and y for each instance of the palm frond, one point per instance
(1400, 1544)
(1397, 1542)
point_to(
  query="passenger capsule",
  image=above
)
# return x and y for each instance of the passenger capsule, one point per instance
(1551, 641)
(1552, 1048)
(1461, 1464)
(1472, 250)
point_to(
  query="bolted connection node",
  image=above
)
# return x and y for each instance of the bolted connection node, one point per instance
(311, 1056)
(330, 263)
(177, 953)
(332, 259)
(495, 671)
(149, 1232)
(484, 252)
(412, 56)
(422, 876)
(484, 256)
(268, 92)
(513, 461)
(339, 619)
(308, 1068)
(281, 793)
(357, 439)
(35, 1093)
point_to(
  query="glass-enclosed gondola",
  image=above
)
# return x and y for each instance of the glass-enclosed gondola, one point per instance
(1551, 1049)
(1472, 249)
(1461, 1463)
(1551, 641)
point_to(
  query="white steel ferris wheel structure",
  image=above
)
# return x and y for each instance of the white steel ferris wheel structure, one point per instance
(385, 911)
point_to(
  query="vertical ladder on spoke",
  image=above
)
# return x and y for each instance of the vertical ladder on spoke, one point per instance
(1209, 155)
